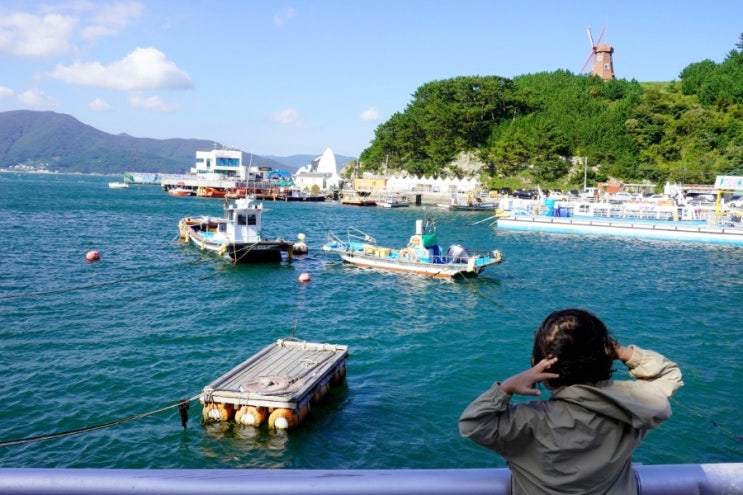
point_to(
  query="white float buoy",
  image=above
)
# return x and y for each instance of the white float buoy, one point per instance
(304, 277)
(93, 256)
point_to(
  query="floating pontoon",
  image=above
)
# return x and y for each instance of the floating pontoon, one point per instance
(277, 385)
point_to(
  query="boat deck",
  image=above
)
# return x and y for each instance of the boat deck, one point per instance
(278, 384)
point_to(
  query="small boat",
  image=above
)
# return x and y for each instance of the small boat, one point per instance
(236, 236)
(118, 185)
(393, 202)
(210, 192)
(180, 191)
(298, 195)
(477, 200)
(421, 256)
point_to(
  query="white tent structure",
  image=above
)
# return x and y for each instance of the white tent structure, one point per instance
(322, 171)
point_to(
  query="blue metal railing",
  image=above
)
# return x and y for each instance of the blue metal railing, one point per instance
(679, 479)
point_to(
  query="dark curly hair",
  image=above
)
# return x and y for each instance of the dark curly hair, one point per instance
(581, 343)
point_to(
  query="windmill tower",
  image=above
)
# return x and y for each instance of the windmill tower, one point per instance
(603, 66)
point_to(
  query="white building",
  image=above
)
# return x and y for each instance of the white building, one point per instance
(322, 172)
(222, 162)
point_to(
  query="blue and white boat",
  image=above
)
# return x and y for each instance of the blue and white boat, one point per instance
(421, 256)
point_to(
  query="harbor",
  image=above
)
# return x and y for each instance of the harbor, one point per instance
(153, 321)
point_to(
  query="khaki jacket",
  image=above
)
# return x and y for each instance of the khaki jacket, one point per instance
(581, 440)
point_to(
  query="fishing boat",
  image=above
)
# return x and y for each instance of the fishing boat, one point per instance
(118, 185)
(393, 202)
(421, 256)
(236, 236)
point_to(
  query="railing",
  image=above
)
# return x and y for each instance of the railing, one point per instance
(679, 479)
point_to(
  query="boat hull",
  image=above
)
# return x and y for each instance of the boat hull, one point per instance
(434, 270)
(246, 252)
(649, 230)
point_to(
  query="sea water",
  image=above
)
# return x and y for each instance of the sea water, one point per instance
(122, 340)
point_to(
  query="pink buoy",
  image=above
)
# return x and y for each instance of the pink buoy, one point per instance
(304, 277)
(93, 256)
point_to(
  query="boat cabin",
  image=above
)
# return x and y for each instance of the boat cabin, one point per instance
(243, 220)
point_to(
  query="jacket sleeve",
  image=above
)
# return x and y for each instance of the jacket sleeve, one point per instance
(650, 366)
(488, 420)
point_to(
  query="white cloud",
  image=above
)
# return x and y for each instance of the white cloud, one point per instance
(287, 116)
(54, 29)
(284, 15)
(143, 69)
(151, 103)
(6, 92)
(99, 105)
(369, 115)
(36, 98)
(27, 35)
(109, 19)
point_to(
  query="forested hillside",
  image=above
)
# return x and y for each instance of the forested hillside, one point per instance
(536, 128)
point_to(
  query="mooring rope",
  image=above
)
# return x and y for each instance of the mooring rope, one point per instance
(182, 405)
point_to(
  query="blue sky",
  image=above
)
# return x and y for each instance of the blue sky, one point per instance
(284, 78)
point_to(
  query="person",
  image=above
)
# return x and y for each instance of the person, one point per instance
(582, 438)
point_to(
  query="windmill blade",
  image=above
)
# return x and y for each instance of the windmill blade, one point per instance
(601, 35)
(590, 38)
(590, 56)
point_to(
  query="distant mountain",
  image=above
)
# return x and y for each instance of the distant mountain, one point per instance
(297, 161)
(60, 143)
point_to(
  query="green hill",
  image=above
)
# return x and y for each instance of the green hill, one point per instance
(541, 128)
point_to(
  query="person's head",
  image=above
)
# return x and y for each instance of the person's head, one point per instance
(581, 343)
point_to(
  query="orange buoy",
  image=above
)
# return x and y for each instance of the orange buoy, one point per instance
(93, 256)
(251, 415)
(304, 277)
(217, 411)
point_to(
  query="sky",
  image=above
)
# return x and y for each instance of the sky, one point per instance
(296, 77)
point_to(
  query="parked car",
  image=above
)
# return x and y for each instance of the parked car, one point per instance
(736, 201)
(589, 193)
(525, 194)
(655, 198)
(700, 199)
(573, 194)
(504, 191)
(621, 196)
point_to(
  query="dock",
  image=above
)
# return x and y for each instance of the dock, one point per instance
(277, 386)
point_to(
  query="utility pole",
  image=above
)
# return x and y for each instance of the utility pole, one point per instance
(585, 172)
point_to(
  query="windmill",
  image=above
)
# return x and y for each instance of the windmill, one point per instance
(601, 55)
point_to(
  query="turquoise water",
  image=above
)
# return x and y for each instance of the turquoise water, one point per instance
(153, 322)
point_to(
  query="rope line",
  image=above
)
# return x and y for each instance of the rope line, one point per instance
(182, 406)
